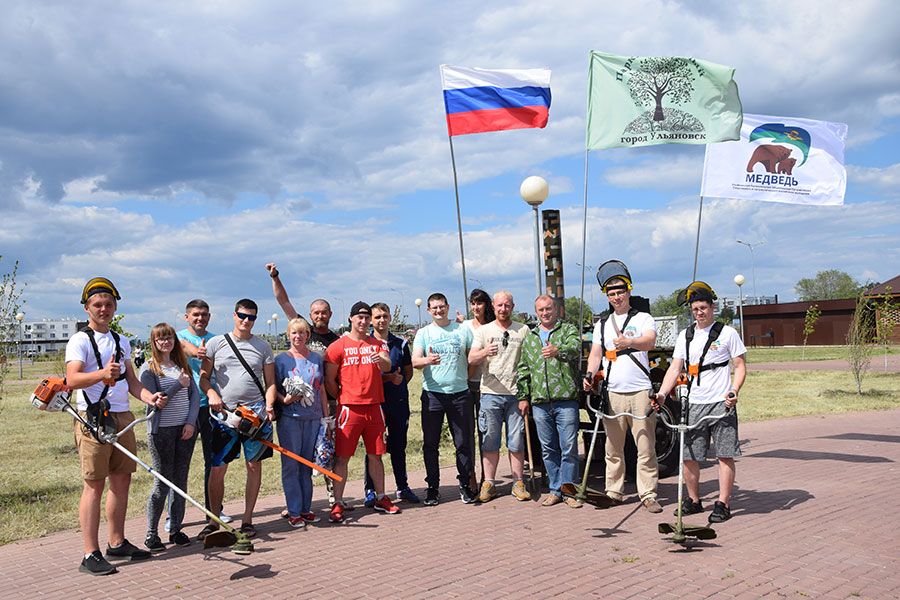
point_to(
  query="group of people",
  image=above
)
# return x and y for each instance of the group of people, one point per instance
(490, 368)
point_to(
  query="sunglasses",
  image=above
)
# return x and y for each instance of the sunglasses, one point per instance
(505, 339)
(241, 316)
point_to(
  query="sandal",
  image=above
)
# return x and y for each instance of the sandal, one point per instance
(720, 513)
(248, 529)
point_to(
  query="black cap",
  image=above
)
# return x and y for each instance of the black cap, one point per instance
(360, 308)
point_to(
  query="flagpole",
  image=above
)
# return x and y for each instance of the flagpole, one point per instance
(583, 245)
(697, 242)
(462, 252)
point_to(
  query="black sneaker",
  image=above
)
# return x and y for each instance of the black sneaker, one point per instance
(153, 543)
(95, 564)
(689, 507)
(432, 497)
(720, 513)
(466, 495)
(127, 550)
(179, 538)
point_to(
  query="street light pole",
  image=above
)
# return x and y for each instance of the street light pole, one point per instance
(753, 264)
(402, 298)
(740, 280)
(275, 323)
(419, 306)
(20, 317)
(591, 267)
(534, 190)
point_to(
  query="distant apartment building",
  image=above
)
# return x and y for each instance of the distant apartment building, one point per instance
(47, 335)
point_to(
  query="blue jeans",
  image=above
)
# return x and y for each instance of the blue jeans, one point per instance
(495, 411)
(298, 436)
(557, 428)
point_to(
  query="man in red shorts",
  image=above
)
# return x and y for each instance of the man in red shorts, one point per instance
(353, 367)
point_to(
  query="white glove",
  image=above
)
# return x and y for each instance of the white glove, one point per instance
(328, 422)
(295, 386)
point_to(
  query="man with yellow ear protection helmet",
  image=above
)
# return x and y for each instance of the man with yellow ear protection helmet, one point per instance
(705, 351)
(622, 338)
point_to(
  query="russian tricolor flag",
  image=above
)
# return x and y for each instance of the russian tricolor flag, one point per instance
(479, 100)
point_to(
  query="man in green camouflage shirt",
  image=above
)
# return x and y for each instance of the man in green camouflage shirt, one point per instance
(547, 378)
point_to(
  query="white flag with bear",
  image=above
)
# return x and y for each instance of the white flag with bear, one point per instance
(779, 159)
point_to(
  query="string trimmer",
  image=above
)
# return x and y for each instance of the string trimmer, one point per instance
(583, 492)
(248, 423)
(681, 533)
(598, 498)
(52, 395)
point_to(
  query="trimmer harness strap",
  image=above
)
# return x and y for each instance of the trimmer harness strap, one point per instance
(98, 412)
(694, 369)
(628, 352)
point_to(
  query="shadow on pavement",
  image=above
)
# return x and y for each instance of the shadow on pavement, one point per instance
(864, 437)
(811, 455)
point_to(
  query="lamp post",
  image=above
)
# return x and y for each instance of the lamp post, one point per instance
(740, 280)
(20, 317)
(269, 324)
(534, 190)
(419, 306)
(275, 326)
(591, 267)
(753, 263)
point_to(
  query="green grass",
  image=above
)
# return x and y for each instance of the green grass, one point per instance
(778, 394)
(794, 353)
(40, 481)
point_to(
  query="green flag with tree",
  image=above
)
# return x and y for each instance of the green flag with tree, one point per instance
(648, 100)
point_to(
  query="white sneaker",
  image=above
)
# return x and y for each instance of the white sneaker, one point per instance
(225, 518)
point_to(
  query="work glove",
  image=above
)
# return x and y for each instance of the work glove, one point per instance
(295, 386)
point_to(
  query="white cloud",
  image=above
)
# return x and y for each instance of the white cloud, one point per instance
(885, 181)
(668, 173)
(268, 98)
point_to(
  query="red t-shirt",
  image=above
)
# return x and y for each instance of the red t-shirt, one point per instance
(358, 374)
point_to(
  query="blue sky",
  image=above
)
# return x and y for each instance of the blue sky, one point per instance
(177, 147)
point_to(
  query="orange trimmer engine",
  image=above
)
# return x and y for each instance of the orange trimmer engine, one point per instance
(52, 395)
(245, 421)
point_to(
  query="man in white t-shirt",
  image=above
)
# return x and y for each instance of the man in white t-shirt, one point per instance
(498, 345)
(98, 364)
(712, 392)
(620, 344)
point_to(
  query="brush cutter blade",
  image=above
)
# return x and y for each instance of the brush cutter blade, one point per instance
(220, 539)
(591, 496)
(698, 532)
(243, 545)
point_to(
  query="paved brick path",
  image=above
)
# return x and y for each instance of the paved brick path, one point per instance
(815, 516)
(876, 366)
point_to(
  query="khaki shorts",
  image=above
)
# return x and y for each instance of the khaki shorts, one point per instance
(99, 460)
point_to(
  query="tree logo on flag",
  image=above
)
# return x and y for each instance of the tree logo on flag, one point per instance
(776, 158)
(651, 80)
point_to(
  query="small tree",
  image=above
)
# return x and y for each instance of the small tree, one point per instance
(858, 338)
(573, 309)
(809, 325)
(887, 314)
(10, 292)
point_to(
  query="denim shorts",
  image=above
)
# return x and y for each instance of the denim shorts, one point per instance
(495, 411)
